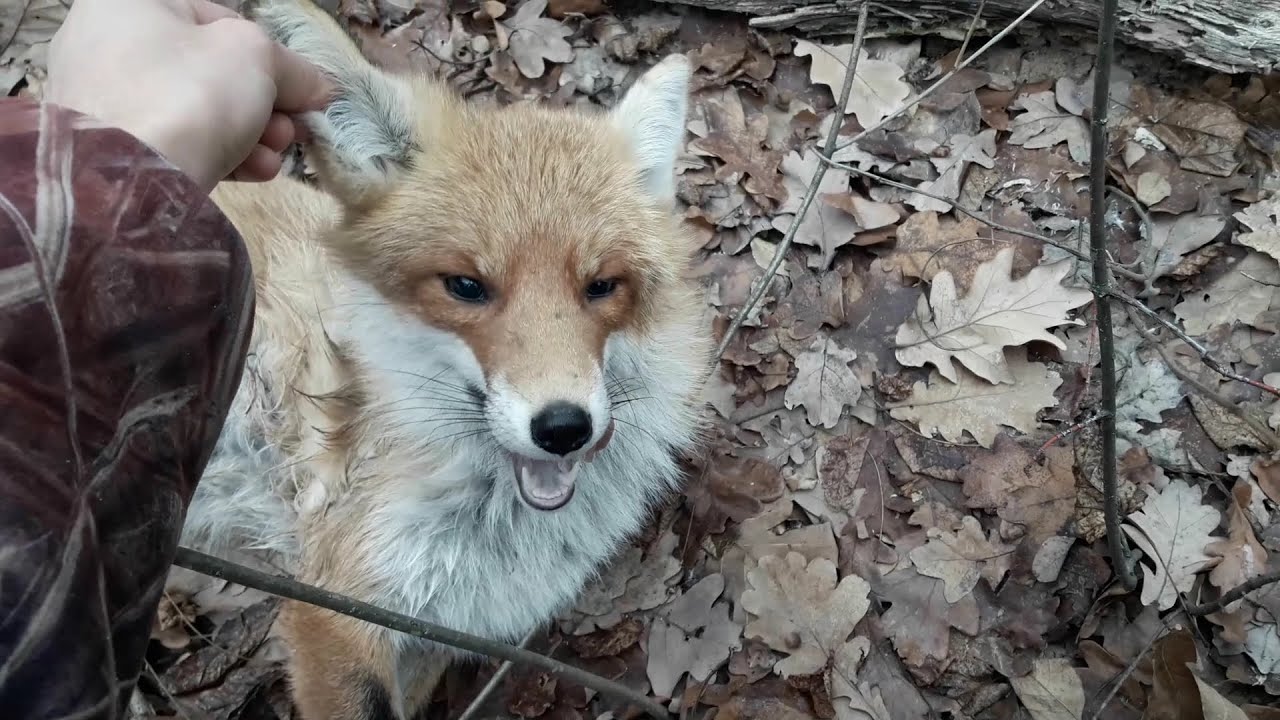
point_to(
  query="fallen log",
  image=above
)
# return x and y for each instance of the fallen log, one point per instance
(1226, 35)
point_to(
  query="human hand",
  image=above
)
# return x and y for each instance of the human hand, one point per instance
(205, 87)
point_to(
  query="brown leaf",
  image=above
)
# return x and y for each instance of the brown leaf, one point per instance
(1173, 695)
(849, 467)
(736, 487)
(997, 312)
(877, 88)
(1204, 135)
(560, 9)
(964, 150)
(1040, 498)
(824, 383)
(1242, 556)
(799, 609)
(533, 694)
(535, 39)
(236, 639)
(823, 227)
(608, 642)
(975, 406)
(740, 143)
(1267, 472)
(815, 300)
(919, 618)
(960, 558)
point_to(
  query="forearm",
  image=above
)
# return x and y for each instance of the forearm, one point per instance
(125, 306)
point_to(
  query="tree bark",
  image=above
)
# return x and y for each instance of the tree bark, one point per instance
(1225, 35)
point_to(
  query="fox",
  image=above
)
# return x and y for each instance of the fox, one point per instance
(476, 358)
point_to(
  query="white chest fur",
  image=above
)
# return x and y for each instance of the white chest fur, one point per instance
(430, 527)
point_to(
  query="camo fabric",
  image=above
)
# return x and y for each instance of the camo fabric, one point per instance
(125, 307)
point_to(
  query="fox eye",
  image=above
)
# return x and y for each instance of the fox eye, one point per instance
(601, 289)
(466, 289)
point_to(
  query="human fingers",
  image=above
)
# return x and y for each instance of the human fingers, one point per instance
(278, 133)
(300, 86)
(261, 165)
(205, 12)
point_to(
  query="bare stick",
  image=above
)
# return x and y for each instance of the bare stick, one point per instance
(810, 193)
(1206, 357)
(1102, 288)
(473, 710)
(942, 80)
(1233, 595)
(1067, 433)
(294, 590)
(1115, 267)
(1259, 429)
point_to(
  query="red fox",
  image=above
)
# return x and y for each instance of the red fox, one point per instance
(476, 356)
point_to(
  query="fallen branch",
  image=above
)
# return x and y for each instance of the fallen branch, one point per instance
(294, 590)
(1233, 595)
(1102, 288)
(477, 705)
(811, 192)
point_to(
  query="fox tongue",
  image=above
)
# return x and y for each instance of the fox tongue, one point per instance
(546, 484)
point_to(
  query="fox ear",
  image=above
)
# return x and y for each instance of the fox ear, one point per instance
(367, 133)
(652, 115)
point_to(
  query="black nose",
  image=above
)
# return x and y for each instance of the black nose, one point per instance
(561, 428)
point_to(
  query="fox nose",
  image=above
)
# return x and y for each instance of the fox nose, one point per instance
(561, 428)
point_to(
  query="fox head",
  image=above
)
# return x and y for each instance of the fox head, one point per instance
(506, 254)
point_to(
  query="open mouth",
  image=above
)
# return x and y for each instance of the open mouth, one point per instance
(549, 484)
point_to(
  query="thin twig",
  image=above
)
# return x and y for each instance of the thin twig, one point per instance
(1127, 672)
(1102, 288)
(1067, 433)
(1116, 268)
(942, 80)
(973, 25)
(1233, 595)
(811, 192)
(1206, 357)
(294, 590)
(473, 710)
(1259, 429)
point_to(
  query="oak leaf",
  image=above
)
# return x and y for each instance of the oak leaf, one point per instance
(1174, 238)
(1242, 556)
(800, 609)
(1172, 529)
(1053, 690)
(965, 149)
(997, 312)
(824, 382)
(1264, 233)
(741, 142)
(1038, 497)
(960, 558)
(824, 226)
(694, 634)
(877, 91)
(1043, 125)
(534, 39)
(950, 409)
(1243, 293)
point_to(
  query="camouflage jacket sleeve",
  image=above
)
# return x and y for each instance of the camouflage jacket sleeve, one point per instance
(125, 305)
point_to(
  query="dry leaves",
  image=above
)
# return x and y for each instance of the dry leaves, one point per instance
(532, 40)
(799, 609)
(997, 312)
(1172, 529)
(973, 405)
(824, 383)
(877, 91)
